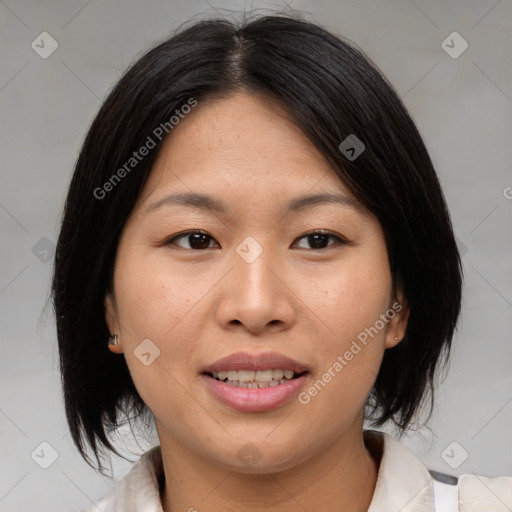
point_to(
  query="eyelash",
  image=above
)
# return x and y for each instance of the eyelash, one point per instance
(339, 239)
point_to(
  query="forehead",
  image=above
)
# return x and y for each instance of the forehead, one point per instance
(242, 147)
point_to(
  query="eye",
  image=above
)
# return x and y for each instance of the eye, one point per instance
(319, 239)
(196, 240)
(200, 240)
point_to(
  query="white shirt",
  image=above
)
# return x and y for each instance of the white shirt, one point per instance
(403, 485)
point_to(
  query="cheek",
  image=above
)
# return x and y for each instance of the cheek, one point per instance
(351, 353)
(160, 304)
(154, 295)
(347, 304)
(348, 298)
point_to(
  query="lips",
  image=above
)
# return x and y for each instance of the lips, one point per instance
(256, 362)
(245, 382)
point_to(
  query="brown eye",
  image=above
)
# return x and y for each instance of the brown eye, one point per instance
(196, 240)
(320, 240)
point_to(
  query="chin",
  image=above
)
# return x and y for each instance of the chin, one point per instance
(253, 459)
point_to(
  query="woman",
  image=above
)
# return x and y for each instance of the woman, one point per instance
(255, 230)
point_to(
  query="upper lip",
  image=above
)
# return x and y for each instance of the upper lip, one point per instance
(263, 361)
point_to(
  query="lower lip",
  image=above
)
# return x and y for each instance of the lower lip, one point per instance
(254, 399)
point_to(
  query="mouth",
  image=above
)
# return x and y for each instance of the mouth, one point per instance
(255, 383)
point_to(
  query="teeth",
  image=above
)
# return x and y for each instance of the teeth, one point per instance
(254, 385)
(254, 379)
(232, 375)
(245, 375)
(288, 374)
(263, 376)
(278, 374)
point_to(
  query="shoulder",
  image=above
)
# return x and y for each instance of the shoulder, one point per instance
(138, 490)
(404, 480)
(472, 493)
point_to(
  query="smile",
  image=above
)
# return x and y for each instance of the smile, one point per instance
(254, 379)
(255, 382)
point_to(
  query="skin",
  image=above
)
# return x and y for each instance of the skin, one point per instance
(199, 305)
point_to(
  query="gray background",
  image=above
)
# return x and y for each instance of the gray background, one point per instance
(462, 106)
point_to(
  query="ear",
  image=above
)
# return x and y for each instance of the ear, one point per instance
(111, 319)
(398, 321)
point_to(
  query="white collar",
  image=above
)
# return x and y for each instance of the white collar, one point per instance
(403, 482)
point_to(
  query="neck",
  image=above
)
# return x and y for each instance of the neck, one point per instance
(342, 477)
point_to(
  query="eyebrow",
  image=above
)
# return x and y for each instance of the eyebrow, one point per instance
(206, 202)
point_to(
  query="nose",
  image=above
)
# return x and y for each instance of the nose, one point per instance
(256, 297)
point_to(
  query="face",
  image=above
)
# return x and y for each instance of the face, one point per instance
(246, 256)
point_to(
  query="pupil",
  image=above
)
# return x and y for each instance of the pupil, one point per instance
(198, 241)
(318, 241)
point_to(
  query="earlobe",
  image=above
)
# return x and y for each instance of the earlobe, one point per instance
(398, 323)
(113, 341)
(392, 341)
